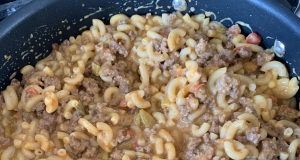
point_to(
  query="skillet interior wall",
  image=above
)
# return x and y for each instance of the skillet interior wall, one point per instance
(27, 35)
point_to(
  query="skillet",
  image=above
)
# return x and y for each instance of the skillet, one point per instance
(27, 35)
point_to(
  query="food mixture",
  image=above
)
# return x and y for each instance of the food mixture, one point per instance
(153, 87)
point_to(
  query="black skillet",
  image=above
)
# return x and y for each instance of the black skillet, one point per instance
(27, 35)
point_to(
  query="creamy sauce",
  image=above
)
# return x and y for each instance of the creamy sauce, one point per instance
(13, 75)
(128, 8)
(244, 24)
(268, 37)
(65, 21)
(226, 19)
(125, 3)
(208, 13)
(157, 6)
(82, 28)
(23, 57)
(36, 57)
(98, 11)
(144, 7)
(294, 71)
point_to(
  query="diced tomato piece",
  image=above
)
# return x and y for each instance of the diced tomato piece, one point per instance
(17, 115)
(130, 131)
(135, 144)
(253, 38)
(31, 90)
(123, 103)
(196, 88)
(287, 108)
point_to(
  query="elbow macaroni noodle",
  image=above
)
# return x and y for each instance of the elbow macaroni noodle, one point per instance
(176, 95)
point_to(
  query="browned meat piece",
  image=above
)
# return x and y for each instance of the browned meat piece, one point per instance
(229, 85)
(116, 154)
(199, 36)
(38, 109)
(146, 149)
(160, 45)
(27, 116)
(233, 31)
(176, 70)
(215, 127)
(282, 145)
(193, 143)
(244, 52)
(91, 86)
(49, 81)
(116, 47)
(190, 151)
(124, 83)
(49, 121)
(86, 99)
(288, 113)
(270, 129)
(75, 117)
(253, 135)
(204, 57)
(122, 135)
(118, 77)
(171, 18)
(208, 151)
(223, 117)
(246, 102)
(201, 47)
(269, 150)
(121, 65)
(34, 77)
(126, 120)
(229, 45)
(90, 153)
(206, 138)
(109, 70)
(5, 142)
(40, 78)
(104, 53)
(132, 34)
(263, 57)
(78, 145)
(100, 107)
(168, 63)
(228, 55)
(219, 61)
(184, 113)
(165, 31)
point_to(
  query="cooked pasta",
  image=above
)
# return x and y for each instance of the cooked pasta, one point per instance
(153, 87)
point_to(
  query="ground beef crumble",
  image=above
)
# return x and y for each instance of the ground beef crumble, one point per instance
(269, 150)
(229, 85)
(233, 31)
